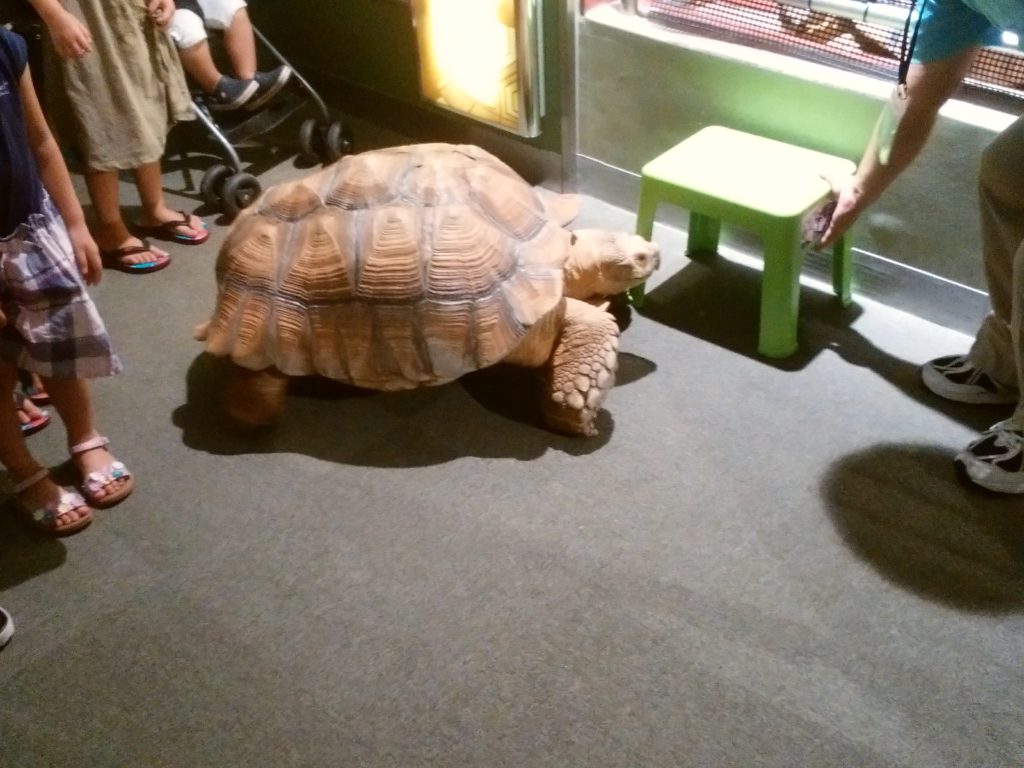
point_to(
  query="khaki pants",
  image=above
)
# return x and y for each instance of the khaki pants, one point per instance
(999, 347)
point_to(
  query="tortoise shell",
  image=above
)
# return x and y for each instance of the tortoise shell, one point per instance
(391, 269)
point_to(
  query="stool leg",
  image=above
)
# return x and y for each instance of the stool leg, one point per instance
(635, 295)
(703, 234)
(646, 209)
(780, 291)
(842, 270)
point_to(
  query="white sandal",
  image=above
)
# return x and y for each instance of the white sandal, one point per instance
(96, 481)
(45, 518)
(6, 627)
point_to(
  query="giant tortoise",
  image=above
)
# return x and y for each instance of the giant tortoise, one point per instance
(411, 266)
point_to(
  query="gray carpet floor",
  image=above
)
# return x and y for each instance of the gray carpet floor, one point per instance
(757, 563)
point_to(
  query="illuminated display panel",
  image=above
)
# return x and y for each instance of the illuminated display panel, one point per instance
(480, 58)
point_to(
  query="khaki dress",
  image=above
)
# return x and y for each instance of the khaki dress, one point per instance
(115, 105)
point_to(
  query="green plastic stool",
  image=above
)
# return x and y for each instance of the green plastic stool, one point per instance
(767, 186)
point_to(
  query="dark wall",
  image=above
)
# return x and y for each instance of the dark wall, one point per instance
(369, 43)
(364, 53)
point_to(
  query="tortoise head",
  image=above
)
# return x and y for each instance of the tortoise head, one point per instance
(603, 263)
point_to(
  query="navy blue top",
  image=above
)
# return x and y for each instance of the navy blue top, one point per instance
(21, 189)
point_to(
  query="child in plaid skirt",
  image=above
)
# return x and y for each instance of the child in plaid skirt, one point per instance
(49, 324)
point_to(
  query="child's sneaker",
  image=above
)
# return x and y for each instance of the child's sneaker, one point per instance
(268, 84)
(232, 94)
(955, 378)
(6, 627)
(995, 459)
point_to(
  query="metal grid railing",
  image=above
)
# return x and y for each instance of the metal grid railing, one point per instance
(871, 47)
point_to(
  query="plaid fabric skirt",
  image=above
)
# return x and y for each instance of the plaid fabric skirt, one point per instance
(51, 326)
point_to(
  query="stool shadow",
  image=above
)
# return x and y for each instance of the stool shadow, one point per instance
(719, 301)
(691, 301)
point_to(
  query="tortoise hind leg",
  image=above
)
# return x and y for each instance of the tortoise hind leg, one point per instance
(254, 398)
(581, 370)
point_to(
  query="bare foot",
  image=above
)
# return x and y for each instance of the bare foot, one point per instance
(30, 417)
(178, 226)
(133, 251)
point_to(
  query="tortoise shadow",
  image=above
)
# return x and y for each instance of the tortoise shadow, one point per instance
(493, 413)
(901, 510)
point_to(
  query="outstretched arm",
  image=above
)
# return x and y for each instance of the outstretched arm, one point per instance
(57, 181)
(928, 88)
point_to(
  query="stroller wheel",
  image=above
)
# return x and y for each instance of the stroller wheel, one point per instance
(212, 185)
(338, 141)
(309, 139)
(240, 191)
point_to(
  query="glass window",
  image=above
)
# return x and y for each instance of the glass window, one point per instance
(873, 48)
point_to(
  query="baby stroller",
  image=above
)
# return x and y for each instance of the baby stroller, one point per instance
(225, 185)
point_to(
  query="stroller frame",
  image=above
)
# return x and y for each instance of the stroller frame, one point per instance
(227, 185)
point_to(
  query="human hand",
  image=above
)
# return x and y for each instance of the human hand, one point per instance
(161, 11)
(87, 253)
(71, 38)
(848, 206)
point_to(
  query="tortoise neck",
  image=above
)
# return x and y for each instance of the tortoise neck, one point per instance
(582, 268)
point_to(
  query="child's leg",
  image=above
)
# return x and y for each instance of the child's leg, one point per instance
(189, 35)
(240, 41)
(241, 44)
(36, 389)
(74, 404)
(111, 231)
(16, 458)
(30, 418)
(13, 449)
(33, 387)
(149, 180)
(198, 62)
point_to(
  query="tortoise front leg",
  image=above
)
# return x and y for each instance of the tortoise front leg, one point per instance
(581, 369)
(254, 398)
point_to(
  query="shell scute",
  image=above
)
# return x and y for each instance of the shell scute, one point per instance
(289, 202)
(365, 180)
(391, 256)
(496, 331)
(448, 330)
(515, 208)
(469, 257)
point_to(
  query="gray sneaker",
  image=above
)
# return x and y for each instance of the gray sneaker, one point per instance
(955, 378)
(6, 627)
(232, 94)
(268, 84)
(995, 459)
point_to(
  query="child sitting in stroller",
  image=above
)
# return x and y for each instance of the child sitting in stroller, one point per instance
(248, 87)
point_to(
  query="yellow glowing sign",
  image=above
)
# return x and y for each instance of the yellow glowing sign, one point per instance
(469, 58)
(470, 47)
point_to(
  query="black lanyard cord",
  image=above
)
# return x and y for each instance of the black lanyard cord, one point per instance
(907, 51)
